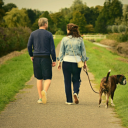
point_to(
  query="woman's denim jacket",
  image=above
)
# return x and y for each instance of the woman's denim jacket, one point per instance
(77, 45)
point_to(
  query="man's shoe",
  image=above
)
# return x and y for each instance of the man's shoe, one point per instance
(44, 97)
(39, 101)
(68, 103)
(76, 98)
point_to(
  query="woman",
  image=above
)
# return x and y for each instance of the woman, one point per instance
(72, 50)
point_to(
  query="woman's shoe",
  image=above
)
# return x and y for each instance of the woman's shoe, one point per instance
(68, 103)
(76, 98)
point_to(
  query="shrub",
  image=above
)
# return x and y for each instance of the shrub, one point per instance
(109, 28)
(59, 32)
(122, 38)
(12, 39)
(122, 28)
(115, 29)
(118, 37)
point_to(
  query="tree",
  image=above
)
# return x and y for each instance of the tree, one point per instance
(101, 26)
(99, 8)
(89, 28)
(31, 15)
(59, 21)
(8, 7)
(125, 15)
(2, 12)
(79, 20)
(38, 13)
(50, 22)
(112, 10)
(77, 2)
(16, 18)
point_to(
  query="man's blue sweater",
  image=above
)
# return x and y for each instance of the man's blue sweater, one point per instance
(43, 44)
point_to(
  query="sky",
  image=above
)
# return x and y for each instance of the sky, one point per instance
(53, 5)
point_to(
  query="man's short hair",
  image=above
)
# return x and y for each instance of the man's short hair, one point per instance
(42, 21)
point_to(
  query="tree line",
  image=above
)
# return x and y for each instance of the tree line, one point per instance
(111, 17)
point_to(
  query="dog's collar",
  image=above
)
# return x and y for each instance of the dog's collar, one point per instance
(105, 90)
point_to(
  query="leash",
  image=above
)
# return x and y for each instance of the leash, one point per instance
(90, 81)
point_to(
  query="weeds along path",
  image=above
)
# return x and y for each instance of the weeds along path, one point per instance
(26, 113)
(11, 55)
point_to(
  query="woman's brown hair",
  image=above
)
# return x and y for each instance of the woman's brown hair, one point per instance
(73, 30)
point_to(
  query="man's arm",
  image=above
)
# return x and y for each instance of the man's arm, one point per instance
(30, 44)
(52, 48)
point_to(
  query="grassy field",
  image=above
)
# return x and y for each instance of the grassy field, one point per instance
(100, 61)
(14, 74)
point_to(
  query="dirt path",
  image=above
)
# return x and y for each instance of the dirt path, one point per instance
(26, 113)
(102, 45)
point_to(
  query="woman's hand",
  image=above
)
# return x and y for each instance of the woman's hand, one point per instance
(85, 65)
(59, 65)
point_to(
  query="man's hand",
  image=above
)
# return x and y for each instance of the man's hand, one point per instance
(32, 58)
(59, 65)
(53, 64)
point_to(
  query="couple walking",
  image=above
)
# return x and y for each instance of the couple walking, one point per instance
(72, 50)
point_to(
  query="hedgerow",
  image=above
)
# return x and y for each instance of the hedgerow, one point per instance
(13, 39)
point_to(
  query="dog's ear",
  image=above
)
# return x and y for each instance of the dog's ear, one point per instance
(118, 76)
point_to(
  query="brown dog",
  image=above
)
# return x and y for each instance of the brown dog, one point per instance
(108, 86)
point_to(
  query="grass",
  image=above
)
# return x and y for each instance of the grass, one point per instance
(100, 61)
(14, 74)
(57, 39)
(99, 40)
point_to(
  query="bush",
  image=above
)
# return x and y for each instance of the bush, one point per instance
(118, 37)
(59, 32)
(12, 39)
(122, 28)
(115, 29)
(122, 38)
(109, 28)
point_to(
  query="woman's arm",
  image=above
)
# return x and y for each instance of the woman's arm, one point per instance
(62, 51)
(83, 52)
(61, 54)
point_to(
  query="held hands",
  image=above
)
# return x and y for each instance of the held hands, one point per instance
(53, 64)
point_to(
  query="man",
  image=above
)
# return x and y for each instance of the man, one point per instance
(43, 44)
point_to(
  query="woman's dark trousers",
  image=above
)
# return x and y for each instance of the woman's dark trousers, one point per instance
(71, 73)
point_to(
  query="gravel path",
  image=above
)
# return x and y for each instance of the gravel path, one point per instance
(26, 113)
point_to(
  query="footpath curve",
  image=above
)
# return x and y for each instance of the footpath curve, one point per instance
(26, 113)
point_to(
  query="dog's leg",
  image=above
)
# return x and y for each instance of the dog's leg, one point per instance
(107, 100)
(112, 95)
(100, 99)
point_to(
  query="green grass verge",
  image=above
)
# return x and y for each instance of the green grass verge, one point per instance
(99, 63)
(14, 74)
(57, 39)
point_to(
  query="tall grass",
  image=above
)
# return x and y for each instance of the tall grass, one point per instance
(99, 63)
(14, 74)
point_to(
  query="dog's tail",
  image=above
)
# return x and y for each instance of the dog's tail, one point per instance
(107, 76)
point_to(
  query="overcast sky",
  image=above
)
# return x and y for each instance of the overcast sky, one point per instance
(52, 5)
